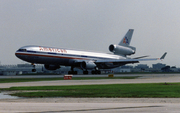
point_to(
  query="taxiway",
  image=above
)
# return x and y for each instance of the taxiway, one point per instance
(97, 105)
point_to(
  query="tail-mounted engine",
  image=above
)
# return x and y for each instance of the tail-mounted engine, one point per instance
(122, 50)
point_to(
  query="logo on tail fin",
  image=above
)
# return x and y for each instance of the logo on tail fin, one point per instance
(125, 41)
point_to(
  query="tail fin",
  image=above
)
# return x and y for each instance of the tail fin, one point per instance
(127, 38)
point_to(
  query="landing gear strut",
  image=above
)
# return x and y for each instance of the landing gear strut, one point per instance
(96, 71)
(34, 69)
(72, 71)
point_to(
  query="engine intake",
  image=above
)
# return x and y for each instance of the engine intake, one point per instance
(51, 67)
(88, 65)
(122, 50)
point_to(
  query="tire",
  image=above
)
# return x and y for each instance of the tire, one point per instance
(72, 72)
(98, 72)
(69, 72)
(33, 70)
(75, 72)
(85, 72)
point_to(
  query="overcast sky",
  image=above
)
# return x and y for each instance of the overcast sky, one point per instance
(91, 25)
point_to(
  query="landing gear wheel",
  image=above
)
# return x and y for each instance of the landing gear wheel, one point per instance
(85, 72)
(33, 70)
(93, 72)
(96, 72)
(72, 72)
(69, 72)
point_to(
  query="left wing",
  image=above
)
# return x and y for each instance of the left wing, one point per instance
(135, 60)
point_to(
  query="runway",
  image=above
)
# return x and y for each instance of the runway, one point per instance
(89, 105)
(87, 108)
(144, 78)
(97, 105)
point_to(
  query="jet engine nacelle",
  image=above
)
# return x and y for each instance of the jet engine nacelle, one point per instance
(122, 50)
(51, 67)
(88, 65)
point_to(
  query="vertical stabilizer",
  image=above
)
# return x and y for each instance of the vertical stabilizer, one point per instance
(127, 38)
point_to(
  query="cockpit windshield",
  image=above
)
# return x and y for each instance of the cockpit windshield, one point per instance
(22, 50)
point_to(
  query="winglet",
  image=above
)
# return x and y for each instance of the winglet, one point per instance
(163, 56)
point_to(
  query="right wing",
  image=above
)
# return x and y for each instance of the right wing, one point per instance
(135, 60)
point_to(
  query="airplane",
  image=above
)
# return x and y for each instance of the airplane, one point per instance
(53, 58)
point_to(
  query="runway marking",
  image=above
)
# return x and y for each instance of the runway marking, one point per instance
(98, 109)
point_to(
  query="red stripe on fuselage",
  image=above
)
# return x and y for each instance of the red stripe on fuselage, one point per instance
(51, 56)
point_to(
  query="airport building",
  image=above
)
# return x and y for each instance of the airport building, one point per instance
(141, 66)
(18, 69)
(158, 66)
(27, 69)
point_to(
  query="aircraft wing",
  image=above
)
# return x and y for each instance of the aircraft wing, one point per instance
(125, 60)
(130, 60)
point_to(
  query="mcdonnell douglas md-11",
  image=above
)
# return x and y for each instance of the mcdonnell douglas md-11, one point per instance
(53, 58)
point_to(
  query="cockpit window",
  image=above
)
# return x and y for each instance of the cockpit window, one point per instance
(22, 50)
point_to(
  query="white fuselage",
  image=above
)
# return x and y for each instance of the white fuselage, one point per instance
(58, 56)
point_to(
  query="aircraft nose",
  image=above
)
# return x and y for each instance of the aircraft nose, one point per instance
(19, 53)
(16, 54)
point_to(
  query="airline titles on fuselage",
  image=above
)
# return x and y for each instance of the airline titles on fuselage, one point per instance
(47, 49)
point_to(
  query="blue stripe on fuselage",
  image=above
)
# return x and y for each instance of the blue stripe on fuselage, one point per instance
(65, 55)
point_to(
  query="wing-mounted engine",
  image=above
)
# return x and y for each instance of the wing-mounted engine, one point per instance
(122, 50)
(88, 65)
(51, 67)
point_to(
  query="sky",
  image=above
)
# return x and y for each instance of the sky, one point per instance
(91, 25)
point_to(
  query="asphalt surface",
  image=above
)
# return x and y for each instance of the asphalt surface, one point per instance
(97, 105)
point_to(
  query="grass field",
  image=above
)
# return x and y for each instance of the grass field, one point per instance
(11, 80)
(154, 90)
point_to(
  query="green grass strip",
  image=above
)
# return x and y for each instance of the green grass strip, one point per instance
(155, 90)
(12, 80)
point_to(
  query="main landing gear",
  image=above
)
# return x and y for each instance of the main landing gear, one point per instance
(96, 72)
(92, 72)
(85, 72)
(72, 71)
(33, 70)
